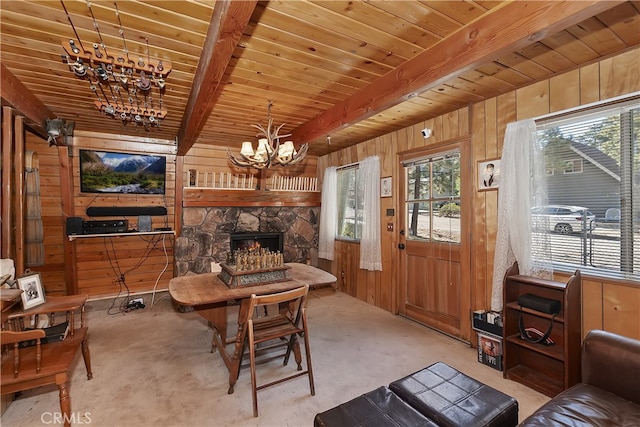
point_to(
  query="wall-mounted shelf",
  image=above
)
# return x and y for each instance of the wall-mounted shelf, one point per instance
(131, 233)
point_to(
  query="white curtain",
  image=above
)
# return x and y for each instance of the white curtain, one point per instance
(328, 213)
(370, 252)
(522, 185)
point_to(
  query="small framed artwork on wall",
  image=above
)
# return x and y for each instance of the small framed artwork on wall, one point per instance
(385, 187)
(488, 174)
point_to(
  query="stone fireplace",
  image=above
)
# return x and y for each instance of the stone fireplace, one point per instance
(206, 233)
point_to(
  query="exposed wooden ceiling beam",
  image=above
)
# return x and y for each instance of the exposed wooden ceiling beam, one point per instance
(228, 22)
(22, 99)
(507, 28)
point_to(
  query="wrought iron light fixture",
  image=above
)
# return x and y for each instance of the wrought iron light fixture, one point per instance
(270, 151)
(124, 87)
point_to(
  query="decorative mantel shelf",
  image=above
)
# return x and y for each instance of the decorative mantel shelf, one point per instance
(204, 197)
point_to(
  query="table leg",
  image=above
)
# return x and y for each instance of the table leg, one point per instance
(217, 319)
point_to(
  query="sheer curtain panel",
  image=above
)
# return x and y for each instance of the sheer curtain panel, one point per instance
(328, 214)
(522, 185)
(370, 252)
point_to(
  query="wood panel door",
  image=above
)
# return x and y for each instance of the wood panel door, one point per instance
(431, 239)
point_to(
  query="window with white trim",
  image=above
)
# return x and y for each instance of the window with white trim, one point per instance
(350, 203)
(573, 166)
(597, 224)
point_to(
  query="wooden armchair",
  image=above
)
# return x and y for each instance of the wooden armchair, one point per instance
(41, 364)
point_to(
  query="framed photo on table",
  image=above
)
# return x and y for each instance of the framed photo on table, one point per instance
(488, 174)
(385, 187)
(32, 290)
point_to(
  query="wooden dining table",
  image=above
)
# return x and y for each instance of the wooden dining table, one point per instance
(210, 297)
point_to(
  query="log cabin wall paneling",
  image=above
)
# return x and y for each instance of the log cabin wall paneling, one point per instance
(610, 305)
(209, 160)
(613, 306)
(142, 261)
(53, 220)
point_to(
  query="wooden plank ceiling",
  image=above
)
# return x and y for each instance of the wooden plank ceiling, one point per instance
(352, 70)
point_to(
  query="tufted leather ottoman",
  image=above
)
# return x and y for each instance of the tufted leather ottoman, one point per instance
(379, 407)
(451, 398)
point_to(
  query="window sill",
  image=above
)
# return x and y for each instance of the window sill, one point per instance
(595, 275)
(347, 239)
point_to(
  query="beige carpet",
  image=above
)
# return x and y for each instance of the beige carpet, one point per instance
(153, 367)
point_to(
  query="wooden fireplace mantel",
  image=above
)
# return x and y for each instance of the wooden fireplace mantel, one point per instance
(204, 197)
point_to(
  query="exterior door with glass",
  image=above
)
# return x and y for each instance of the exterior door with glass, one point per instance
(431, 238)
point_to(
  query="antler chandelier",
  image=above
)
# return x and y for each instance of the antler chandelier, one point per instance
(123, 86)
(270, 152)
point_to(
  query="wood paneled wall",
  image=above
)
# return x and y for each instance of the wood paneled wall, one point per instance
(610, 305)
(88, 265)
(207, 158)
(140, 259)
(53, 220)
(379, 288)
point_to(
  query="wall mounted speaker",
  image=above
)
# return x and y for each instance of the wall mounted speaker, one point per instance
(74, 225)
(144, 223)
(126, 210)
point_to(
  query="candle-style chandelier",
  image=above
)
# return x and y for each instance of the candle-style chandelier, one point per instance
(124, 87)
(270, 151)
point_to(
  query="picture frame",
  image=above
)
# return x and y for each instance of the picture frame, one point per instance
(488, 174)
(32, 290)
(385, 187)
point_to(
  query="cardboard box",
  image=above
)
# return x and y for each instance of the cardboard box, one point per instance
(490, 351)
(481, 324)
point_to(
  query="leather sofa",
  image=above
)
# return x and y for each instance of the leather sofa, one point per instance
(609, 394)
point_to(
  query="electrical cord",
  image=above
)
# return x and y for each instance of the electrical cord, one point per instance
(152, 244)
(166, 265)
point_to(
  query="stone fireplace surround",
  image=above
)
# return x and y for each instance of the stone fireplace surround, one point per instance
(206, 233)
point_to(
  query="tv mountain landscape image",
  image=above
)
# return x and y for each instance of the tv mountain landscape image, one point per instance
(107, 172)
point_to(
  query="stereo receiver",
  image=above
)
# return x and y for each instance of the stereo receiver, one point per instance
(105, 227)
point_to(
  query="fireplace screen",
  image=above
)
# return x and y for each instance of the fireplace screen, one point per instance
(271, 241)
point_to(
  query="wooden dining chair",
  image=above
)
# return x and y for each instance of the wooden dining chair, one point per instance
(31, 358)
(267, 333)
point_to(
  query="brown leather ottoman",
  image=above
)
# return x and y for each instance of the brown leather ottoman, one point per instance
(378, 408)
(451, 398)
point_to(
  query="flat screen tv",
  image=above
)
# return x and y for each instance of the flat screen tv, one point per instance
(121, 173)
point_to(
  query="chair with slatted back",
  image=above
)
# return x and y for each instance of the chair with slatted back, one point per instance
(268, 332)
(28, 362)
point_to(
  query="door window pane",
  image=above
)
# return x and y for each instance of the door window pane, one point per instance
(433, 199)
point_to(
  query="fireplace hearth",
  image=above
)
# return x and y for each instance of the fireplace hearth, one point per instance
(272, 241)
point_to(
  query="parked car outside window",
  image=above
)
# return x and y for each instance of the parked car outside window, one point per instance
(561, 219)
